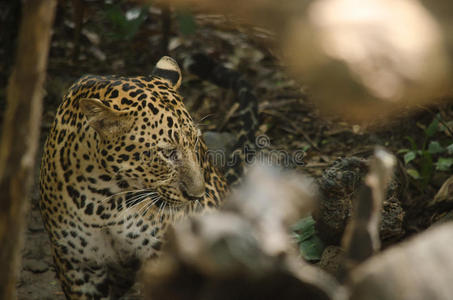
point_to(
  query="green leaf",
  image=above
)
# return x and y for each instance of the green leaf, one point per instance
(412, 141)
(305, 234)
(413, 173)
(304, 228)
(450, 149)
(115, 15)
(133, 24)
(427, 168)
(433, 127)
(434, 147)
(311, 249)
(401, 151)
(444, 164)
(126, 25)
(409, 156)
(186, 22)
(310, 245)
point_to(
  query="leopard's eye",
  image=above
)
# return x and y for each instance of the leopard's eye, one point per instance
(171, 154)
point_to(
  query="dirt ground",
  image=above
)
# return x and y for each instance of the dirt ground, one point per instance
(288, 118)
(37, 277)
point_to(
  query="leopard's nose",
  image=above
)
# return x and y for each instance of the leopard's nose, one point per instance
(194, 191)
(192, 198)
(192, 183)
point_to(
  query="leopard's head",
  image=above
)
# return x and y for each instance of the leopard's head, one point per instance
(146, 139)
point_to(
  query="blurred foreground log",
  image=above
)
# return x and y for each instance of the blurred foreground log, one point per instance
(20, 136)
(363, 60)
(361, 238)
(244, 251)
(416, 270)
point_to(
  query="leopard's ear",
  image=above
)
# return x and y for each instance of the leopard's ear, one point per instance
(167, 69)
(105, 120)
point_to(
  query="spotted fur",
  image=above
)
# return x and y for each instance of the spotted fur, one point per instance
(122, 161)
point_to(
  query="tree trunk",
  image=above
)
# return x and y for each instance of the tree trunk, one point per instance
(21, 134)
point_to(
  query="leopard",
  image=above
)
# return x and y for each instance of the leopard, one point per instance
(123, 161)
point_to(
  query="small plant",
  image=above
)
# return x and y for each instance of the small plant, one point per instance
(125, 25)
(422, 161)
(310, 245)
(186, 22)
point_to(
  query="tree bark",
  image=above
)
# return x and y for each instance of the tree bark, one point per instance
(21, 127)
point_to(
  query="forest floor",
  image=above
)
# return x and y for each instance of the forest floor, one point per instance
(288, 118)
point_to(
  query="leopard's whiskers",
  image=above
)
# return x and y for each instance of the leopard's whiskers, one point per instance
(136, 200)
(123, 192)
(154, 199)
(204, 118)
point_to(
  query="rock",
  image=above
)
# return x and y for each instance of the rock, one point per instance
(391, 227)
(331, 259)
(338, 187)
